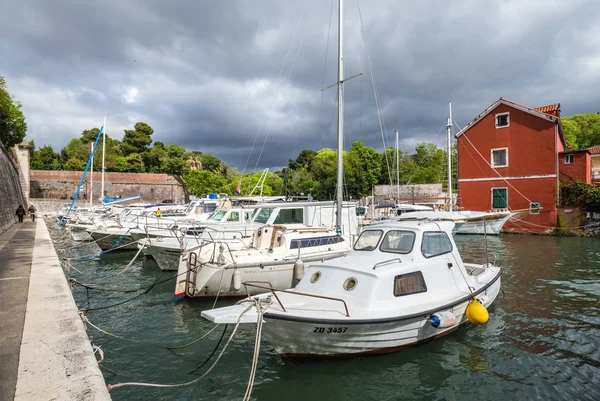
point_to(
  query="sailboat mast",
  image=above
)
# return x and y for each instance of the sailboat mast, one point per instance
(340, 160)
(397, 169)
(92, 176)
(103, 157)
(449, 138)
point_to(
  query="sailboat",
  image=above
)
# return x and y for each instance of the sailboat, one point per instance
(403, 283)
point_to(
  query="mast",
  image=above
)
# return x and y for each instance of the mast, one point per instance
(449, 138)
(92, 177)
(103, 156)
(397, 169)
(340, 161)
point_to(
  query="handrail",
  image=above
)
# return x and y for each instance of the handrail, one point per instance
(376, 265)
(273, 291)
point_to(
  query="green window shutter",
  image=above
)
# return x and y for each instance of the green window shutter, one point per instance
(499, 198)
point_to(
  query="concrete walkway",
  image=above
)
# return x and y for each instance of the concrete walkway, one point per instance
(16, 246)
(45, 353)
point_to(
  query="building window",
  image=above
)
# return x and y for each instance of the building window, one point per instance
(410, 283)
(499, 198)
(534, 208)
(569, 159)
(502, 120)
(500, 157)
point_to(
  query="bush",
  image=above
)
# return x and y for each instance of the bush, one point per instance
(580, 194)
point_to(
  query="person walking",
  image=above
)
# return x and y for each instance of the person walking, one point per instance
(31, 211)
(20, 213)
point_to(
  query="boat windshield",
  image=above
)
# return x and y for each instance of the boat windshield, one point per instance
(398, 241)
(368, 240)
(263, 215)
(217, 215)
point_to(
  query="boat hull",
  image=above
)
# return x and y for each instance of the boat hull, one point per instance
(319, 339)
(106, 241)
(492, 227)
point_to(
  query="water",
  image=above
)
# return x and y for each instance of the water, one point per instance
(541, 342)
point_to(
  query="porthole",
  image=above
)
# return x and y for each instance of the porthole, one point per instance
(315, 277)
(350, 284)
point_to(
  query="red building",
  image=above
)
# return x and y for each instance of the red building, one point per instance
(509, 159)
(576, 165)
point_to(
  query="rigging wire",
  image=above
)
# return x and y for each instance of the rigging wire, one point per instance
(375, 91)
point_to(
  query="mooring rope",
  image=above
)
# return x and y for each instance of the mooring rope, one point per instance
(197, 379)
(86, 321)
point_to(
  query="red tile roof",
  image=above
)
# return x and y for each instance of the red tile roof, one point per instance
(594, 150)
(552, 109)
(115, 178)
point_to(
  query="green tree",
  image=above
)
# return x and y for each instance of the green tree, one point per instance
(74, 164)
(173, 162)
(203, 182)
(210, 162)
(363, 169)
(324, 170)
(137, 140)
(13, 126)
(45, 158)
(582, 130)
(135, 163)
(90, 135)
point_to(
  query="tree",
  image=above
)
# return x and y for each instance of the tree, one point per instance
(73, 164)
(324, 170)
(137, 140)
(210, 162)
(90, 135)
(45, 159)
(12, 121)
(202, 182)
(582, 130)
(173, 162)
(135, 163)
(304, 159)
(363, 169)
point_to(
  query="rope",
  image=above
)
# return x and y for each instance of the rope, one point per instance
(120, 273)
(259, 324)
(89, 257)
(87, 322)
(197, 379)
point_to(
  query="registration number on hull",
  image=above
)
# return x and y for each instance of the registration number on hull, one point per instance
(330, 329)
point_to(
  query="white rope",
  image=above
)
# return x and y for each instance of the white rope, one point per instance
(259, 323)
(129, 384)
(118, 274)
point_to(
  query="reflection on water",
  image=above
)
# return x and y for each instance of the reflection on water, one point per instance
(541, 341)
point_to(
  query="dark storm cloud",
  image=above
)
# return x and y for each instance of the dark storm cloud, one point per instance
(239, 78)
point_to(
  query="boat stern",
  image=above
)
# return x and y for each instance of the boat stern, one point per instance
(245, 313)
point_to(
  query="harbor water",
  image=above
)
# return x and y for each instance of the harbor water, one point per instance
(541, 342)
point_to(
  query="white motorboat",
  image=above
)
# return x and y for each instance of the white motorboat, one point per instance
(215, 269)
(404, 283)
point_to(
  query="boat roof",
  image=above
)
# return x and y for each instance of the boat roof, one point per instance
(415, 225)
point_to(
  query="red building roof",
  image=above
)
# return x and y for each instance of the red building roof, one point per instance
(552, 109)
(594, 150)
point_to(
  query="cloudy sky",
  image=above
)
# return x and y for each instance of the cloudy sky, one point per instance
(242, 78)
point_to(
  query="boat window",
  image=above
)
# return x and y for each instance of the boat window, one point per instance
(410, 283)
(368, 240)
(435, 243)
(234, 216)
(209, 208)
(263, 215)
(217, 215)
(248, 215)
(315, 241)
(397, 241)
(290, 216)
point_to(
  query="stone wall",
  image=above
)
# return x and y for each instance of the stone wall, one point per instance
(430, 194)
(22, 152)
(11, 195)
(63, 184)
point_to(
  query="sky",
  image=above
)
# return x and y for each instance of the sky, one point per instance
(245, 80)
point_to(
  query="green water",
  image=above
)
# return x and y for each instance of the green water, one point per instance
(541, 342)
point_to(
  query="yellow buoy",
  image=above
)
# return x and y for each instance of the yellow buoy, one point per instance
(476, 312)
